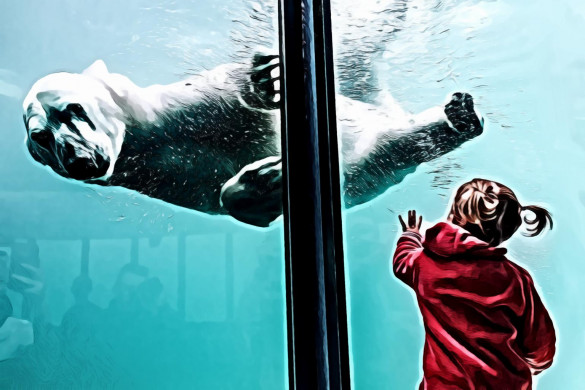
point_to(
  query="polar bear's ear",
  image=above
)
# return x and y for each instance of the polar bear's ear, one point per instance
(97, 69)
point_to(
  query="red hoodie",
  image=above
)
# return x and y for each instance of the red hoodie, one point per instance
(486, 327)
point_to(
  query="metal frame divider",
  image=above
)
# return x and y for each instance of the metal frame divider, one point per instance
(316, 305)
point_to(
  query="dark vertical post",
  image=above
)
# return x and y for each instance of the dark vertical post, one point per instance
(181, 274)
(331, 200)
(134, 255)
(229, 275)
(84, 257)
(317, 337)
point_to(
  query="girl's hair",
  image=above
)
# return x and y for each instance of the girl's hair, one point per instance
(491, 212)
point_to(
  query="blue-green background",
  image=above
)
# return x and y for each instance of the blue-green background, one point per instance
(134, 332)
(523, 61)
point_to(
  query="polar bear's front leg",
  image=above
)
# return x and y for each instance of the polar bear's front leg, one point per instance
(397, 153)
(254, 195)
(459, 113)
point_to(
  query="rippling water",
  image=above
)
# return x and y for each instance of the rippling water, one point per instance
(210, 307)
(524, 64)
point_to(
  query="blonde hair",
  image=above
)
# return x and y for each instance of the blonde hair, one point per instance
(491, 211)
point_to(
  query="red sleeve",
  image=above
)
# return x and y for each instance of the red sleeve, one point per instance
(408, 249)
(537, 335)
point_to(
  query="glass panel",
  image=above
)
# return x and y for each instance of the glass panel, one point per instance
(119, 264)
(407, 142)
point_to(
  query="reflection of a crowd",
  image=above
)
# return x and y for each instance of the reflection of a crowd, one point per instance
(139, 340)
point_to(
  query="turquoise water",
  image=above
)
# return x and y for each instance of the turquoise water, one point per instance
(524, 63)
(122, 291)
(135, 293)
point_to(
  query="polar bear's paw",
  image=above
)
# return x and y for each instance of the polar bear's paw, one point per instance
(461, 113)
(265, 81)
(254, 195)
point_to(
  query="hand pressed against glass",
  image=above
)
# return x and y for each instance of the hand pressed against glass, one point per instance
(412, 226)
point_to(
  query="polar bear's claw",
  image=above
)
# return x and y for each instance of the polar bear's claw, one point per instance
(265, 80)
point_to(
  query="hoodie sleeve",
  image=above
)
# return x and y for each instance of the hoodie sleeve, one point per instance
(408, 249)
(537, 335)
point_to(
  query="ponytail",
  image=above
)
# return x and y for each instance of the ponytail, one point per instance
(537, 224)
(491, 212)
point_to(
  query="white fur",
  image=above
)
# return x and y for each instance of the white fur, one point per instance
(362, 124)
(60, 89)
(113, 100)
(113, 103)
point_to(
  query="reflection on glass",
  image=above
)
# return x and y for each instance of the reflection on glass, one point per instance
(524, 82)
(106, 287)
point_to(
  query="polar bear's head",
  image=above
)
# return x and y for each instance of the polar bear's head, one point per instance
(75, 123)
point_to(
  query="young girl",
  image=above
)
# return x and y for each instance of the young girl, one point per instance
(486, 327)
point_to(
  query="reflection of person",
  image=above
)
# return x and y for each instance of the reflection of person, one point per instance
(14, 333)
(5, 304)
(87, 359)
(129, 278)
(485, 323)
(26, 278)
(82, 321)
(141, 332)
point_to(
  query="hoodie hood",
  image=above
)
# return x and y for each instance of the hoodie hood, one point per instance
(449, 240)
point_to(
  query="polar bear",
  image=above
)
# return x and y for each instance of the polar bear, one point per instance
(211, 142)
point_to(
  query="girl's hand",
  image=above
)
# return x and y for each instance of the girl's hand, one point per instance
(412, 226)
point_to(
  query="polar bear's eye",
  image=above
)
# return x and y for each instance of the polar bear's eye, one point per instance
(76, 108)
(78, 111)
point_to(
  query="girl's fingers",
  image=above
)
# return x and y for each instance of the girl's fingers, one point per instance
(412, 222)
(402, 223)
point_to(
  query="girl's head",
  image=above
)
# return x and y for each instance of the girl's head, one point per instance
(491, 212)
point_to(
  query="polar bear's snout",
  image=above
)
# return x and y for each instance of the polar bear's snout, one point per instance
(56, 139)
(43, 138)
(82, 163)
(68, 156)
